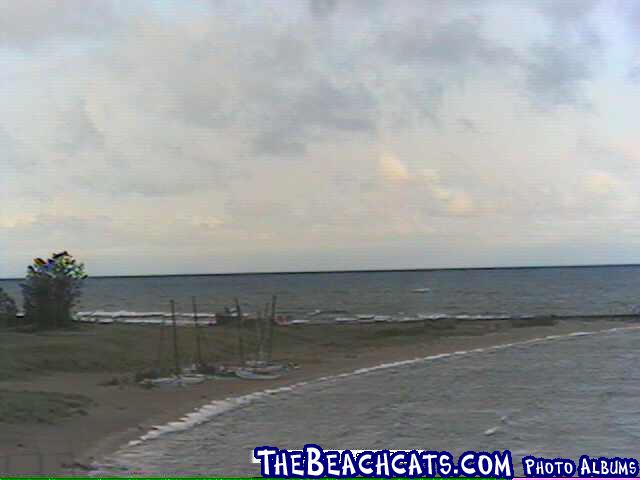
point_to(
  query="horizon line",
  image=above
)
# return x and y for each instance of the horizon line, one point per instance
(373, 270)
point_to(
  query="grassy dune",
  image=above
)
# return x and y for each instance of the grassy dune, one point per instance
(131, 349)
(40, 407)
(127, 353)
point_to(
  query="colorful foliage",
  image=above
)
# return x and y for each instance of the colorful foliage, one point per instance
(51, 289)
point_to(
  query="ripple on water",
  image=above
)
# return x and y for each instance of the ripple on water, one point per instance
(559, 397)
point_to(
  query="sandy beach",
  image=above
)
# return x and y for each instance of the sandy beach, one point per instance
(80, 416)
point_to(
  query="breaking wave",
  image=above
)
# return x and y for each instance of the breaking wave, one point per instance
(218, 407)
(321, 317)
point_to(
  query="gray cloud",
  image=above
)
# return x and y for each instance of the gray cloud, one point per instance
(321, 9)
(566, 60)
(15, 155)
(319, 111)
(28, 23)
(440, 54)
(468, 125)
(457, 43)
(629, 11)
(237, 130)
(79, 133)
(557, 74)
(567, 12)
(148, 186)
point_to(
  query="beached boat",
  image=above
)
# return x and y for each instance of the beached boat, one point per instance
(253, 374)
(175, 381)
(283, 320)
(298, 322)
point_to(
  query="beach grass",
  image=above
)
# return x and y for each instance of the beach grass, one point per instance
(135, 349)
(40, 407)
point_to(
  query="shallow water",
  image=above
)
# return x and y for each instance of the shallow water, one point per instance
(563, 397)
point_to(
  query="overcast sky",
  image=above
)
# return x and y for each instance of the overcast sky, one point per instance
(178, 136)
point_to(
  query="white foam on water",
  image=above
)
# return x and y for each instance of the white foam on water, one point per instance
(131, 314)
(580, 334)
(317, 316)
(142, 318)
(345, 319)
(218, 407)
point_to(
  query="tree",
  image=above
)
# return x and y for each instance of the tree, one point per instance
(51, 290)
(8, 310)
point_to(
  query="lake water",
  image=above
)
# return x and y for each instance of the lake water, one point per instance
(325, 296)
(556, 397)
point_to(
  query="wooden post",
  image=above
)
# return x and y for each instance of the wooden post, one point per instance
(258, 329)
(261, 330)
(161, 344)
(40, 461)
(240, 328)
(264, 327)
(175, 338)
(197, 333)
(272, 324)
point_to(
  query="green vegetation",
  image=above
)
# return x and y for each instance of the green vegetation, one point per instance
(8, 310)
(40, 407)
(148, 350)
(50, 291)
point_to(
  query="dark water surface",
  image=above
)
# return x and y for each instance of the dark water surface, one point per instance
(561, 397)
(478, 293)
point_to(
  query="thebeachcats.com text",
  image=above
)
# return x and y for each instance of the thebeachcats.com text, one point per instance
(314, 462)
(585, 467)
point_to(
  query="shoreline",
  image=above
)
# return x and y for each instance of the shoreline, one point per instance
(123, 413)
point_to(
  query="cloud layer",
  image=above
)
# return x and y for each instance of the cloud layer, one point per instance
(151, 137)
